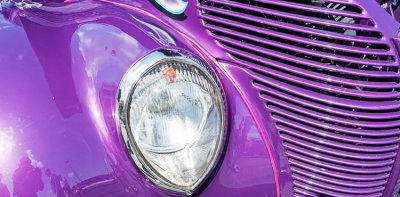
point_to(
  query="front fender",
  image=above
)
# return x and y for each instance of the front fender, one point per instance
(60, 74)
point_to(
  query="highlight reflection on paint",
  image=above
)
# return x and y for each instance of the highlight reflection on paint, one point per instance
(6, 146)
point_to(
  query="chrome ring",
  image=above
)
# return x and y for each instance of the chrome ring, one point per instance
(125, 91)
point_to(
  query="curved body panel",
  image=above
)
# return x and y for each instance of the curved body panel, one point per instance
(61, 70)
(311, 90)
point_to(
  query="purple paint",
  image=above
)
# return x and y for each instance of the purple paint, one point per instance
(312, 109)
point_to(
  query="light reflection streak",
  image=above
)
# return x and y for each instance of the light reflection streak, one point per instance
(6, 146)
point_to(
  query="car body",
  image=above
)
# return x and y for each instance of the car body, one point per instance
(295, 125)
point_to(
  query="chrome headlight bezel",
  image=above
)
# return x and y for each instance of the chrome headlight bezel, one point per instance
(127, 86)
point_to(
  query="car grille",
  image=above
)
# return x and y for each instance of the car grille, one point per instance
(330, 81)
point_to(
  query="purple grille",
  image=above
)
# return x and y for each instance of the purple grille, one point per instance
(329, 78)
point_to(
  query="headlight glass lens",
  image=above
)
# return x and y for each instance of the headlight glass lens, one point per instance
(173, 6)
(176, 122)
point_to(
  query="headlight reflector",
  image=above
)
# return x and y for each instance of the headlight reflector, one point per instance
(172, 117)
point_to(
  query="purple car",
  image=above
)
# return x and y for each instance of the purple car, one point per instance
(275, 98)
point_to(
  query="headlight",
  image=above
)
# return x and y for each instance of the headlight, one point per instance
(173, 6)
(172, 118)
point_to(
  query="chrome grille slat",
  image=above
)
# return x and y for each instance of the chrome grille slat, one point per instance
(335, 144)
(329, 118)
(337, 58)
(316, 65)
(341, 168)
(330, 192)
(331, 158)
(336, 152)
(295, 28)
(329, 173)
(315, 9)
(301, 193)
(336, 181)
(336, 135)
(311, 75)
(339, 101)
(321, 125)
(291, 16)
(333, 110)
(338, 188)
(269, 32)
